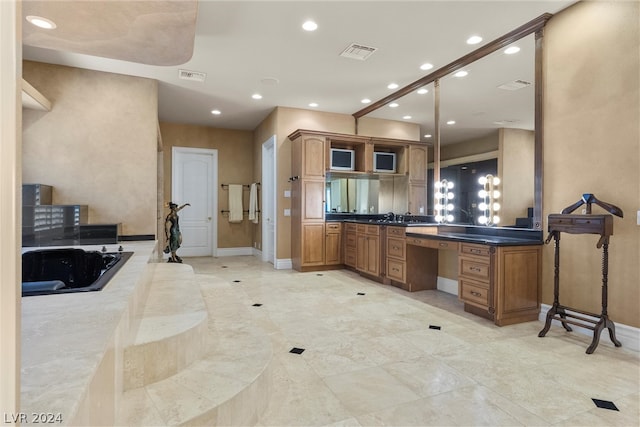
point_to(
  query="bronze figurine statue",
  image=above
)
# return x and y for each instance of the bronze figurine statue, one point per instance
(172, 232)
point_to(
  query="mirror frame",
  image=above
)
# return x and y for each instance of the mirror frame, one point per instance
(535, 26)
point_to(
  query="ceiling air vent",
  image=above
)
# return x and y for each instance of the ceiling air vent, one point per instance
(195, 76)
(515, 85)
(358, 51)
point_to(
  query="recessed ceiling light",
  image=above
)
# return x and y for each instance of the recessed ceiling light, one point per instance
(406, 117)
(422, 91)
(365, 100)
(269, 81)
(428, 135)
(216, 112)
(451, 122)
(309, 26)
(313, 104)
(256, 96)
(511, 50)
(394, 105)
(474, 40)
(426, 66)
(392, 86)
(41, 22)
(461, 73)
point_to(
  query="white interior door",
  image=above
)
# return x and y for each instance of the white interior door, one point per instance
(268, 208)
(194, 181)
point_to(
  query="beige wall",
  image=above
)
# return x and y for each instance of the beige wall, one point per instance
(471, 147)
(97, 146)
(235, 166)
(264, 131)
(516, 162)
(10, 200)
(592, 144)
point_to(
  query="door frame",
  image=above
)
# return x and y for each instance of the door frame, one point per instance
(269, 192)
(214, 185)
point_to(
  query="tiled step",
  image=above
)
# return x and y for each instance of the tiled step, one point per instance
(227, 385)
(170, 334)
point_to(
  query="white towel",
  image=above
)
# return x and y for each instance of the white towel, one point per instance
(235, 203)
(253, 203)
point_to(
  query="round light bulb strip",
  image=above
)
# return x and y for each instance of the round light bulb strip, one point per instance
(443, 206)
(489, 196)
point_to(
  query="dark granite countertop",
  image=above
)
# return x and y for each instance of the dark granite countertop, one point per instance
(495, 236)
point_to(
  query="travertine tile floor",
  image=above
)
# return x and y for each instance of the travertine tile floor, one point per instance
(373, 360)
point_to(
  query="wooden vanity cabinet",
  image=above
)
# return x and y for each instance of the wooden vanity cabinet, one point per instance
(368, 249)
(333, 243)
(350, 244)
(307, 200)
(418, 161)
(500, 282)
(396, 254)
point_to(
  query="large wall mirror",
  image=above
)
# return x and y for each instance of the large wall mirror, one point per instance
(487, 112)
(484, 118)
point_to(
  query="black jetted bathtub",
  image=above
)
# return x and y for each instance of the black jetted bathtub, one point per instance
(59, 271)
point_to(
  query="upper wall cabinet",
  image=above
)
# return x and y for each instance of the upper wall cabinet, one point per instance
(33, 99)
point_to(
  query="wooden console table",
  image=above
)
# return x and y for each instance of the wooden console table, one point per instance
(582, 224)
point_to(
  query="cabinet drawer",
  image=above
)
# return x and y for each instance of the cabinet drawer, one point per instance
(441, 244)
(396, 247)
(350, 257)
(474, 293)
(351, 227)
(396, 231)
(477, 250)
(333, 227)
(418, 242)
(474, 268)
(351, 240)
(373, 230)
(396, 270)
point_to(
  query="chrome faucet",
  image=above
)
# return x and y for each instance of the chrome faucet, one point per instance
(390, 216)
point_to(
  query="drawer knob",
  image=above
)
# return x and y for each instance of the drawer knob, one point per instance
(478, 269)
(476, 294)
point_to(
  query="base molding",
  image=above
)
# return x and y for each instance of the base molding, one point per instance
(449, 286)
(234, 251)
(283, 264)
(627, 335)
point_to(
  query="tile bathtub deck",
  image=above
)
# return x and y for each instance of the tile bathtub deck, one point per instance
(372, 359)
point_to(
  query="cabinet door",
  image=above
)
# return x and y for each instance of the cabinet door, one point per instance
(312, 200)
(332, 250)
(418, 199)
(312, 244)
(418, 164)
(313, 157)
(361, 252)
(373, 255)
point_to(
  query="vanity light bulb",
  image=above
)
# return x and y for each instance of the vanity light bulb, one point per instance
(449, 185)
(439, 195)
(496, 219)
(482, 194)
(439, 218)
(496, 207)
(496, 194)
(482, 220)
(450, 218)
(482, 180)
(438, 184)
(449, 195)
(450, 207)
(438, 207)
(482, 206)
(496, 180)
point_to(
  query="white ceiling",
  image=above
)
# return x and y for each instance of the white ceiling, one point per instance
(238, 44)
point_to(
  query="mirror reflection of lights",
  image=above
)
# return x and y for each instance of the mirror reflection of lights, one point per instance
(443, 207)
(489, 205)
